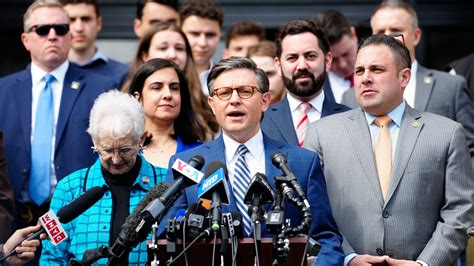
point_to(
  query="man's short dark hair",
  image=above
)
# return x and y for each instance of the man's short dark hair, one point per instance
(87, 2)
(245, 28)
(297, 27)
(402, 55)
(169, 3)
(208, 9)
(334, 24)
(233, 63)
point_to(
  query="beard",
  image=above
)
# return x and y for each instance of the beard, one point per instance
(306, 89)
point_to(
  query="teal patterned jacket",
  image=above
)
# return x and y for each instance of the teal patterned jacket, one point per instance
(91, 229)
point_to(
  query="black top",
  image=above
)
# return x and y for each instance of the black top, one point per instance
(120, 186)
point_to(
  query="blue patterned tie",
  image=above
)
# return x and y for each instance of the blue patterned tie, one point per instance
(40, 183)
(241, 183)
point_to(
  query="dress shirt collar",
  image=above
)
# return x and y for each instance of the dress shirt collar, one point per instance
(98, 56)
(37, 74)
(254, 145)
(316, 102)
(396, 115)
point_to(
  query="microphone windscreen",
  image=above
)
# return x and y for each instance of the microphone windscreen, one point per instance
(80, 204)
(132, 221)
(214, 166)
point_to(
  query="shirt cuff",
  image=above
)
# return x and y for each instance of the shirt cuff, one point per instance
(349, 257)
(422, 263)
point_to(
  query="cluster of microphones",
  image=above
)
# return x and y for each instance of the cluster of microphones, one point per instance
(198, 221)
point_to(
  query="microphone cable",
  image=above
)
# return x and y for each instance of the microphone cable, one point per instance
(205, 232)
(255, 242)
(184, 242)
(214, 249)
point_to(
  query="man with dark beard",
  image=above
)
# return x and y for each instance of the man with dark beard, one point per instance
(302, 59)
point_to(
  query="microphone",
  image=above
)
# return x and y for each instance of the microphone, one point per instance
(234, 223)
(72, 210)
(76, 207)
(215, 188)
(258, 193)
(280, 161)
(470, 232)
(185, 175)
(196, 220)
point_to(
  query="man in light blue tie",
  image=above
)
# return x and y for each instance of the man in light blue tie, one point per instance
(44, 112)
(238, 96)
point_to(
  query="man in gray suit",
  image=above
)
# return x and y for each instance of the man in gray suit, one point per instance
(429, 90)
(412, 206)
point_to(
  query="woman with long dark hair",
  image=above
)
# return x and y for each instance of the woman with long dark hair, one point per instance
(161, 88)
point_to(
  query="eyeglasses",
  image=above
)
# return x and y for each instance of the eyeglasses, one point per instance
(244, 92)
(44, 29)
(122, 151)
(399, 37)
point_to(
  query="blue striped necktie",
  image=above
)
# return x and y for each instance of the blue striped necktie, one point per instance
(41, 145)
(241, 183)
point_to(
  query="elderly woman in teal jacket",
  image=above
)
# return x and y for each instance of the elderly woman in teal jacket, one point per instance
(116, 126)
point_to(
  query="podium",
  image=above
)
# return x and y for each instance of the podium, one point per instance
(201, 252)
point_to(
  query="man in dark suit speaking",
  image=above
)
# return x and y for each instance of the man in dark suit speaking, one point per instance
(238, 97)
(44, 111)
(399, 180)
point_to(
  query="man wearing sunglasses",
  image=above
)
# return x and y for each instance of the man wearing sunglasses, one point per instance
(238, 96)
(44, 111)
(86, 23)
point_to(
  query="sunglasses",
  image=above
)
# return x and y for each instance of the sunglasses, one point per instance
(44, 29)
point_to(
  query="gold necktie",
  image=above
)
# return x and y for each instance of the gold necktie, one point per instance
(383, 153)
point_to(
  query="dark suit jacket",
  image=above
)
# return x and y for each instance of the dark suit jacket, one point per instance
(6, 198)
(306, 167)
(73, 143)
(278, 124)
(111, 69)
(439, 93)
(328, 94)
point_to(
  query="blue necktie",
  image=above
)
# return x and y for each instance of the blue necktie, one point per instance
(241, 183)
(40, 174)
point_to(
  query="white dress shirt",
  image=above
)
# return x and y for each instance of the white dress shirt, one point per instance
(314, 113)
(410, 90)
(253, 158)
(339, 85)
(203, 79)
(38, 84)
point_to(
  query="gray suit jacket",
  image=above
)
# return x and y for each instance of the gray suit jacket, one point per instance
(430, 199)
(439, 93)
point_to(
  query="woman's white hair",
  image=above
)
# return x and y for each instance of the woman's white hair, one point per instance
(116, 115)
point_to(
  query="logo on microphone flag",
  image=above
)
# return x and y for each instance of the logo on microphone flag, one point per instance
(188, 171)
(53, 227)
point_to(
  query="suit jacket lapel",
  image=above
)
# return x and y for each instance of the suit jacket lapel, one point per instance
(328, 90)
(329, 107)
(283, 122)
(271, 147)
(424, 87)
(359, 134)
(23, 97)
(72, 87)
(409, 131)
(217, 148)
